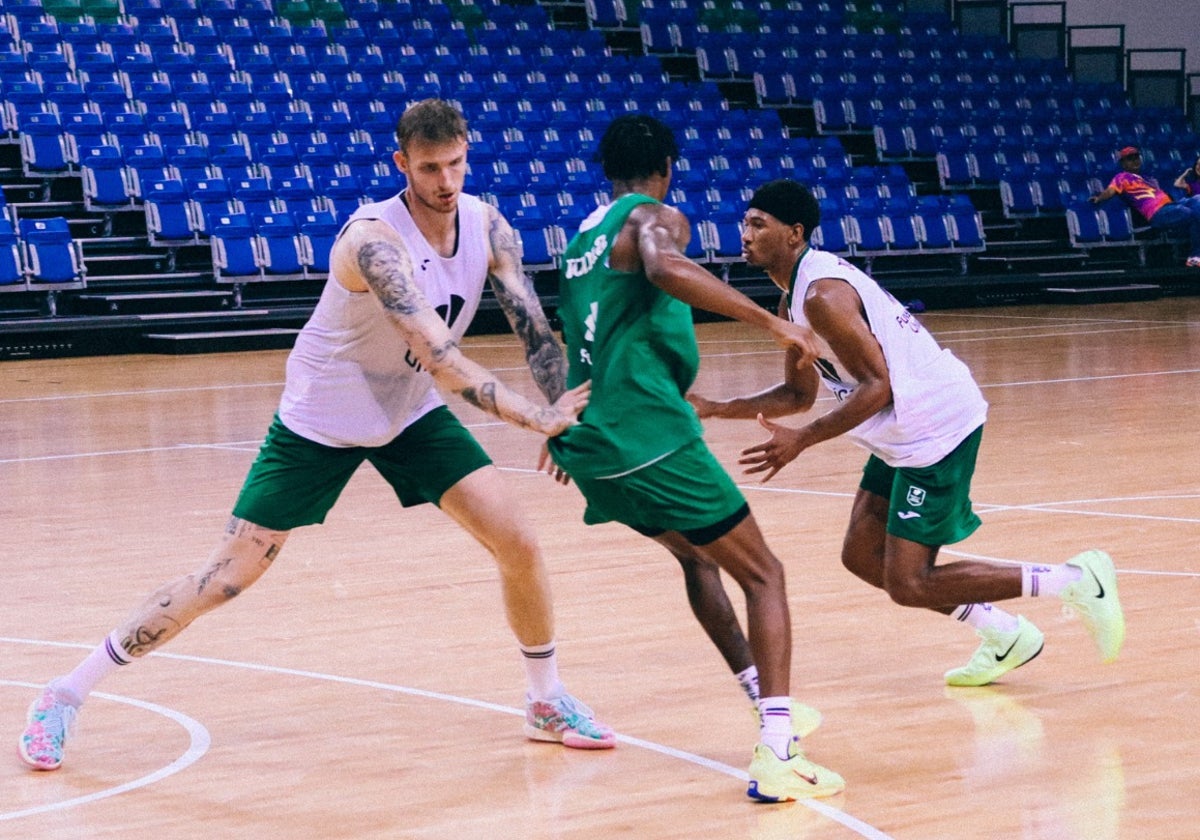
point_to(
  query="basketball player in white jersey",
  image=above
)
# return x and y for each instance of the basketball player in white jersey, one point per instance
(916, 408)
(406, 275)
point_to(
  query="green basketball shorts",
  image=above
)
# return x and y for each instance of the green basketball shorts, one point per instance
(687, 491)
(928, 505)
(295, 481)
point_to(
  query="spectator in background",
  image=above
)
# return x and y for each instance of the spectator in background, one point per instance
(1147, 199)
(1189, 181)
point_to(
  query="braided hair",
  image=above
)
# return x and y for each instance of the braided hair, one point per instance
(636, 146)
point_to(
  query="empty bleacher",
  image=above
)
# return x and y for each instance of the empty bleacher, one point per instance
(202, 153)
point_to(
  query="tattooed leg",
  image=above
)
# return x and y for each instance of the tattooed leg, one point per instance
(246, 551)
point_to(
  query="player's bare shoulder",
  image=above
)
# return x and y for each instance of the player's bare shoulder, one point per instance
(370, 254)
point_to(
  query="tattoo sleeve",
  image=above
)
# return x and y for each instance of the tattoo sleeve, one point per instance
(519, 301)
(388, 271)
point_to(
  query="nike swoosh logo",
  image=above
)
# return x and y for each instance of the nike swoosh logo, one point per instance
(1099, 585)
(908, 514)
(812, 780)
(1000, 657)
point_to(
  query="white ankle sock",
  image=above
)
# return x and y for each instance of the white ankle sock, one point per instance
(1047, 580)
(541, 670)
(107, 657)
(985, 617)
(776, 728)
(749, 682)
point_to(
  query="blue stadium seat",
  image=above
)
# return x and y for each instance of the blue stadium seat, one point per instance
(209, 198)
(234, 245)
(43, 145)
(280, 250)
(318, 230)
(256, 195)
(51, 254)
(380, 187)
(12, 271)
(106, 181)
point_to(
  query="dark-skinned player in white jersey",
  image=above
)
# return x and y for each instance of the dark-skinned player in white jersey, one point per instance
(916, 408)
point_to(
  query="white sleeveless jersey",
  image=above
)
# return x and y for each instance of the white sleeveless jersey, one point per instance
(935, 401)
(351, 378)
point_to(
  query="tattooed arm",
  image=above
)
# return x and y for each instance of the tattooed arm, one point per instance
(521, 306)
(371, 256)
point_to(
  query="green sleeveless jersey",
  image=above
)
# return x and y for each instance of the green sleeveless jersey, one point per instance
(635, 343)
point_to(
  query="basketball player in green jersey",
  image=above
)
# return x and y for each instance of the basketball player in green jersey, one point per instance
(916, 408)
(637, 454)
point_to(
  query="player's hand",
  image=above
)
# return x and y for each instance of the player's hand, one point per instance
(773, 454)
(564, 413)
(801, 339)
(703, 405)
(546, 464)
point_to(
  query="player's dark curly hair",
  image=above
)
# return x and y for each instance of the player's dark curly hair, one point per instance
(636, 146)
(432, 120)
(789, 201)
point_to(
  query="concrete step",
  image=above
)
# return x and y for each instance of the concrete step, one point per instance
(152, 301)
(1103, 294)
(219, 341)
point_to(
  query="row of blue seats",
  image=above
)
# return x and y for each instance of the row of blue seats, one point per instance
(180, 212)
(258, 246)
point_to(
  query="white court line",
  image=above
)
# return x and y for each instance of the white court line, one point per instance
(860, 828)
(102, 394)
(200, 741)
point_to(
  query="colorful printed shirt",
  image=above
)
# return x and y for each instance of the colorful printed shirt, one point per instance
(1141, 194)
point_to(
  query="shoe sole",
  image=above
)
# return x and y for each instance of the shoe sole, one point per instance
(35, 765)
(571, 740)
(26, 757)
(991, 680)
(816, 792)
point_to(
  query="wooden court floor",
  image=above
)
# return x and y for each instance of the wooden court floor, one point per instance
(368, 687)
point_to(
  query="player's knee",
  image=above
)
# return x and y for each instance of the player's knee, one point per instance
(906, 591)
(517, 551)
(764, 574)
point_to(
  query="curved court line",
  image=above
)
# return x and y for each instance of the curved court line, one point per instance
(857, 826)
(200, 741)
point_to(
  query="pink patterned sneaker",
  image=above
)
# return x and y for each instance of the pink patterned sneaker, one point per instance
(51, 721)
(567, 721)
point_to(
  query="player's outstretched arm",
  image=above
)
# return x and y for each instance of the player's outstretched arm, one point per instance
(796, 393)
(662, 233)
(834, 309)
(515, 293)
(371, 256)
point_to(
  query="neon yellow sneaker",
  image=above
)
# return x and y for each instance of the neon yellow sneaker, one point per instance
(998, 653)
(1094, 598)
(774, 780)
(805, 719)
